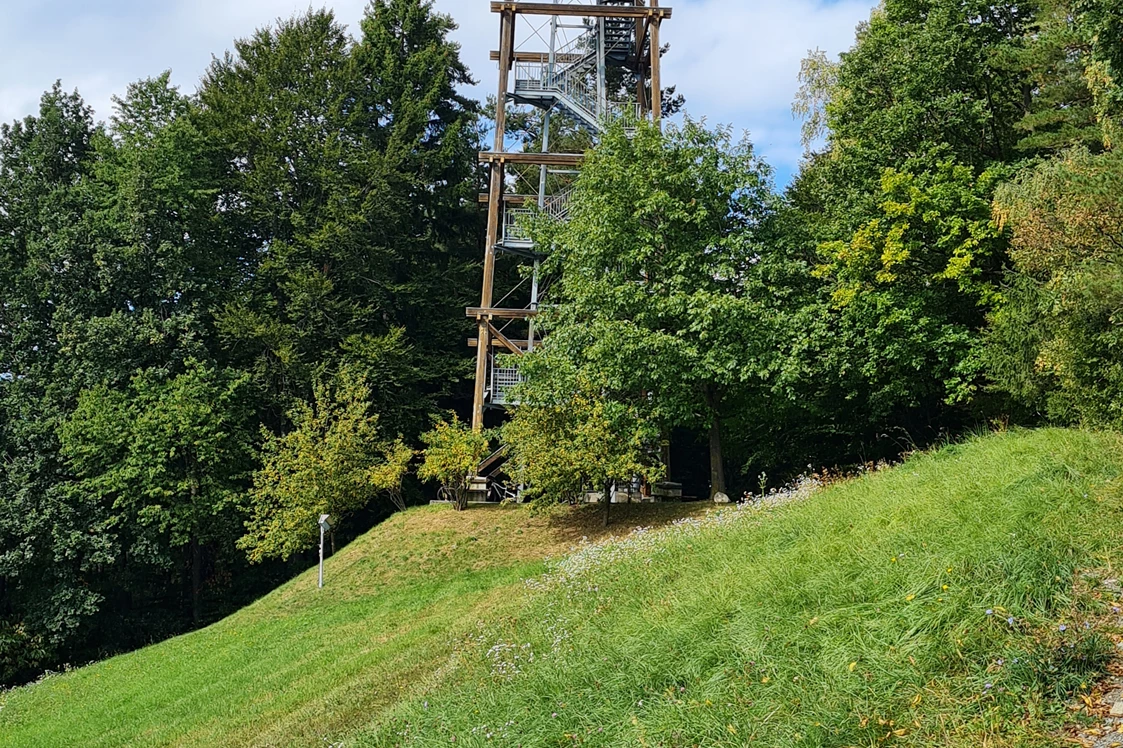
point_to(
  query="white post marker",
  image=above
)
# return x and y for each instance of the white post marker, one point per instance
(325, 526)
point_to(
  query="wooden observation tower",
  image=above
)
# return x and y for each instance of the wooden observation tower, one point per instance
(595, 64)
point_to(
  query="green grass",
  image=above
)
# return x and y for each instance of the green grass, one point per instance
(302, 665)
(855, 618)
(822, 623)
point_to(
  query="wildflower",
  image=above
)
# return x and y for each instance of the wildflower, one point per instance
(1010, 620)
(554, 714)
(988, 686)
(910, 598)
(990, 612)
(1087, 625)
(1062, 628)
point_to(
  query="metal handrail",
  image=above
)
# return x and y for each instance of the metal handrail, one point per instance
(515, 220)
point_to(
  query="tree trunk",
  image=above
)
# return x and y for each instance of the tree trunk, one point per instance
(607, 498)
(717, 465)
(332, 534)
(196, 581)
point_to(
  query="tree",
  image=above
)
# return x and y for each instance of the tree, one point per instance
(656, 286)
(890, 220)
(351, 183)
(1060, 104)
(169, 456)
(388, 476)
(328, 463)
(1102, 24)
(453, 452)
(50, 548)
(569, 433)
(1055, 341)
(918, 280)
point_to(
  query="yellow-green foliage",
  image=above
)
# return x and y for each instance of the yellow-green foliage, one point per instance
(328, 464)
(560, 447)
(453, 452)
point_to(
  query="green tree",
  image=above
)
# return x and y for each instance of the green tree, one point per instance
(170, 455)
(351, 183)
(328, 463)
(453, 452)
(570, 434)
(890, 221)
(1055, 342)
(50, 548)
(1102, 24)
(1061, 105)
(657, 288)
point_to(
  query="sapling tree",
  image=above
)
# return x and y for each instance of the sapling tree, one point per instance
(453, 452)
(569, 434)
(333, 461)
(389, 474)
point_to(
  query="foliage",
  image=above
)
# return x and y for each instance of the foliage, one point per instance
(656, 298)
(818, 80)
(574, 438)
(352, 190)
(328, 463)
(887, 259)
(918, 279)
(1102, 24)
(453, 452)
(1054, 344)
(388, 476)
(168, 456)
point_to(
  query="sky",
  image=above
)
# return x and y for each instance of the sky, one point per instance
(736, 61)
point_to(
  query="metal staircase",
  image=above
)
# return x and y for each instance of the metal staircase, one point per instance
(515, 237)
(572, 87)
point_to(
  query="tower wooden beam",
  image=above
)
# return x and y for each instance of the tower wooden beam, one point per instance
(581, 11)
(486, 313)
(541, 57)
(494, 216)
(504, 340)
(656, 62)
(534, 159)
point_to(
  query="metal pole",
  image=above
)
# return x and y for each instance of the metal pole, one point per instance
(542, 172)
(321, 556)
(602, 73)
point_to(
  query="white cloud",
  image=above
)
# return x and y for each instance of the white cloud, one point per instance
(736, 61)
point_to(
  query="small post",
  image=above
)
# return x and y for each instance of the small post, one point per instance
(325, 525)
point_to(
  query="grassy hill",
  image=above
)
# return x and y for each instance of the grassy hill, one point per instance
(955, 600)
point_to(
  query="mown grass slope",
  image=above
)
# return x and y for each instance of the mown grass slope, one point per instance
(302, 666)
(950, 601)
(955, 600)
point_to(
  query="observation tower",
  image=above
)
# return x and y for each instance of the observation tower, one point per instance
(593, 66)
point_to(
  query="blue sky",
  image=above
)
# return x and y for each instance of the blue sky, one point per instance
(736, 61)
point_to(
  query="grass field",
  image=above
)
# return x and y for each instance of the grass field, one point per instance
(301, 665)
(951, 601)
